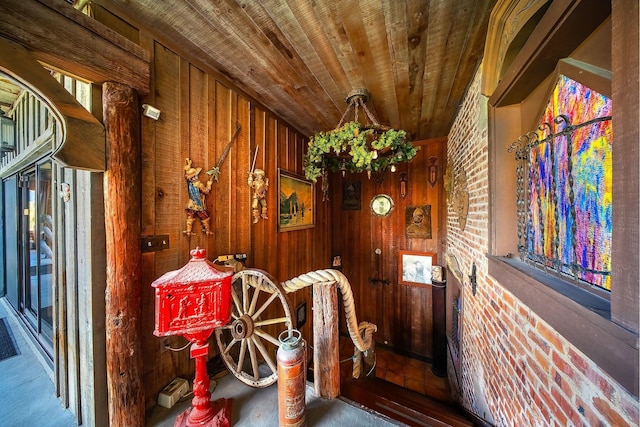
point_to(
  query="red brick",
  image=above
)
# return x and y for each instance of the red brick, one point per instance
(541, 343)
(603, 384)
(542, 360)
(610, 414)
(562, 402)
(586, 413)
(542, 409)
(578, 361)
(540, 376)
(563, 366)
(556, 413)
(550, 336)
(506, 300)
(563, 384)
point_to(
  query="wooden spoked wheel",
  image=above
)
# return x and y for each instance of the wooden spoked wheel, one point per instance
(260, 312)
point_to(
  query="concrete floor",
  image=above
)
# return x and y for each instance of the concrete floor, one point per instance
(27, 397)
(26, 388)
(253, 407)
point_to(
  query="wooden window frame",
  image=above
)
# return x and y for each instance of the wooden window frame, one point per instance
(608, 337)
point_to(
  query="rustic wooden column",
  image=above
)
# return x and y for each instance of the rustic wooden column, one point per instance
(122, 191)
(326, 341)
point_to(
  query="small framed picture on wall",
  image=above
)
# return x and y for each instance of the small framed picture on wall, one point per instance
(415, 268)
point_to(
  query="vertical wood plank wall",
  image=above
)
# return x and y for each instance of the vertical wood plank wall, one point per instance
(199, 115)
(402, 313)
(79, 335)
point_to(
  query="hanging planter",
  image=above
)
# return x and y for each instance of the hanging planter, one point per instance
(357, 147)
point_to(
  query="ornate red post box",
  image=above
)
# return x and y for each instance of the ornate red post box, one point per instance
(193, 301)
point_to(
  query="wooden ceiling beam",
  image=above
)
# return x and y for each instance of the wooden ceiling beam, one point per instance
(80, 136)
(65, 39)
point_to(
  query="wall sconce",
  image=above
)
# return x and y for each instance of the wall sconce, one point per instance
(151, 112)
(403, 184)
(7, 134)
(433, 170)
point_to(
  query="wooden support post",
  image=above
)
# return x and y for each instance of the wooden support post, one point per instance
(122, 190)
(326, 341)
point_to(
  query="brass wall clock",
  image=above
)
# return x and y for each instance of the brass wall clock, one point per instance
(381, 205)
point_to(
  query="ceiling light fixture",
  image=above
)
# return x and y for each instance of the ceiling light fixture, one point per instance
(354, 146)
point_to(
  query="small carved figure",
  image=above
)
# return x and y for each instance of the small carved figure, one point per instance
(202, 304)
(196, 207)
(325, 185)
(259, 183)
(182, 311)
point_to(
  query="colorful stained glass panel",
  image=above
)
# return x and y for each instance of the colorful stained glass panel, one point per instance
(569, 194)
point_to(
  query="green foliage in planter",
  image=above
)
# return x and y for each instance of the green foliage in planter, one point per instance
(327, 150)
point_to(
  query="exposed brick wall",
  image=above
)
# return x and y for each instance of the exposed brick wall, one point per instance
(516, 370)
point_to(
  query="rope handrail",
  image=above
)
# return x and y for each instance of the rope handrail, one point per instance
(361, 334)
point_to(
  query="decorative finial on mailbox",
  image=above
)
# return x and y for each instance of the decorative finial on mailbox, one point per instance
(198, 253)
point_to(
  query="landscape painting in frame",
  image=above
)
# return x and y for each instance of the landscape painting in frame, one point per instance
(296, 205)
(415, 268)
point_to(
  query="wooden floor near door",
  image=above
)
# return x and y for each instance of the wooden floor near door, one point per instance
(402, 388)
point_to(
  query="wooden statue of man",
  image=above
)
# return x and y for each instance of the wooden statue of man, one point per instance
(196, 207)
(259, 183)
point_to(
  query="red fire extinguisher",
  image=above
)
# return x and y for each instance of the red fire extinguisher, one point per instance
(292, 380)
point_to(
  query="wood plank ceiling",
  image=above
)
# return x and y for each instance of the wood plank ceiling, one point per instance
(300, 58)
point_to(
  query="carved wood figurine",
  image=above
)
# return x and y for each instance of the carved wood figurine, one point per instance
(259, 183)
(196, 207)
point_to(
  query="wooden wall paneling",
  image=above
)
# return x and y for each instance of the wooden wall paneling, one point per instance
(171, 150)
(286, 255)
(269, 162)
(91, 318)
(166, 168)
(152, 349)
(221, 210)
(71, 261)
(238, 164)
(60, 337)
(258, 255)
(195, 116)
(402, 313)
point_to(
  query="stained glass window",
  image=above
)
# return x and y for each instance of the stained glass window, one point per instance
(568, 199)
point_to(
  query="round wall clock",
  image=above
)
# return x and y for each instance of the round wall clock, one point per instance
(381, 205)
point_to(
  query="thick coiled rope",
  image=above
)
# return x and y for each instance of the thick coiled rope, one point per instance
(361, 334)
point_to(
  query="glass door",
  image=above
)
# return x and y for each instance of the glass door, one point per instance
(37, 252)
(29, 304)
(45, 251)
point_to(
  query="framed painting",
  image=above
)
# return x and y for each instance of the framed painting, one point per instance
(415, 268)
(351, 198)
(296, 202)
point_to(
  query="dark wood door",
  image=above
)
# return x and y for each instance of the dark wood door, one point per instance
(369, 246)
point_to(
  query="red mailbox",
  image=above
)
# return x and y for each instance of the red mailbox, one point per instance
(195, 298)
(193, 301)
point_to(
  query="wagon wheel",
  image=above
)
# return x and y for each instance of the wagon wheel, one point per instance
(255, 296)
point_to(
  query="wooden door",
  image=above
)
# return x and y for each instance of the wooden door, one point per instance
(368, 246)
